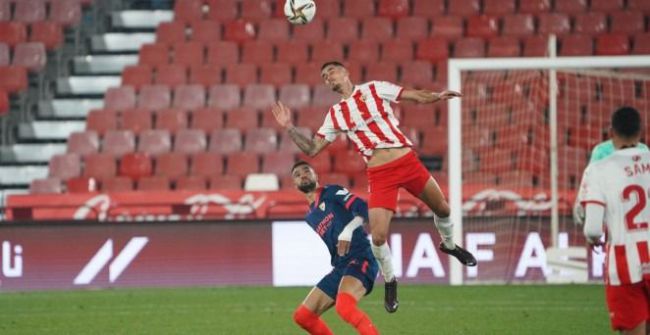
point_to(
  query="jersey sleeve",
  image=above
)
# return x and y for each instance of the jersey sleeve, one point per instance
(591, 191)
(388, 91)
(328, 131)
(350, 201)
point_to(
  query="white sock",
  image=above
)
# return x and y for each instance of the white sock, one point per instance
(384, 258)
(445, 228)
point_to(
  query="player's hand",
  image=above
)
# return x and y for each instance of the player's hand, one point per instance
(282, 114)
(446, 95)
(343, 247)
(578, 214)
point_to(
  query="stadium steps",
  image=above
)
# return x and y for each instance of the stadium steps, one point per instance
(64, 109)
(25, 153)
(36, 131)
(86, 85)
(102, 64)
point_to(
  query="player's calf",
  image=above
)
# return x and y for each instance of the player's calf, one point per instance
(346, 307)
(310, 321)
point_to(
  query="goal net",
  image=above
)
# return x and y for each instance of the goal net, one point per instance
(520, 139)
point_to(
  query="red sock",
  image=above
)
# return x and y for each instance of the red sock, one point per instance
(346, 306)
(310, 322)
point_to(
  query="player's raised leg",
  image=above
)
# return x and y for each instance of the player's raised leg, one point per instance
(351, 290)
(379, 227)
(307, 315)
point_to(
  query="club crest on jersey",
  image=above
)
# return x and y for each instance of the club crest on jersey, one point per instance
(322, 206)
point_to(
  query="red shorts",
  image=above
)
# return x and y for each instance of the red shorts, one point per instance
(385, 180)
(629, 305)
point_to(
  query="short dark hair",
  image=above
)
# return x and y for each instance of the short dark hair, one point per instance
(626, 122)
(332, 62)
(297, 164)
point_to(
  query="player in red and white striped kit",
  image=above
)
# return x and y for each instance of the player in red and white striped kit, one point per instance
(617, 191)
(365, 115)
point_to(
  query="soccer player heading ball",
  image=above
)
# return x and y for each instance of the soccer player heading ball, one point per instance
(365, 115)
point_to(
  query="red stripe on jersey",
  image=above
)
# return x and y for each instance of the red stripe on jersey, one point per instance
(595, 202)
(384, 115)
(345, 111)
(644, 256)
(349, 202)
(334, 121)
(621, 264)
(365, 114)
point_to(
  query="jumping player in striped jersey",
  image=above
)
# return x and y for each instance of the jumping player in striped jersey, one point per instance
(337, 216)
(365, 115)
(616, 191)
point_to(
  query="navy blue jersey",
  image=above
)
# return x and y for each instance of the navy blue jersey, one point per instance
(333, 208)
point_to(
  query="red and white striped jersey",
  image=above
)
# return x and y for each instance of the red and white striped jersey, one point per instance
(621, 183)
(367, 118)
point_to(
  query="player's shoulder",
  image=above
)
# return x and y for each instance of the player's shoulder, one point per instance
(333, 190)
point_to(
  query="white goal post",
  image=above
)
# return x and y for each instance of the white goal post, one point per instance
(455, 67)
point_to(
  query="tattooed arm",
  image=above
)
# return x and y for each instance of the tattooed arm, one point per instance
(310, 146)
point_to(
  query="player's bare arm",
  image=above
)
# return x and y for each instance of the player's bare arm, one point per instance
(426, 96)
(310, 146)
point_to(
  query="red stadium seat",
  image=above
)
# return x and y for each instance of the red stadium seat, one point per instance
(293, 52)
(242, 163)
(171, 75)
(428, 8)
(504, 46)
(14, 79)
(206, 164)
(171, 120)
(205, 31)
(241, 74)
(629, 22)
(4, 103)
(326, 51)
(433, 49)
(308, 73)
(464, 7)
(45, 186)
(606, 5)
(65, 12)
(155, 142)
(376, 29)
(81, 185)
(256, 10)
(207, 119)
(553, 23)
(534, 6)
(154, 183)
(101, 166)
(287, 145)
(393, 9)
(397, 51)
(517, 179)
(239, 31)
(118, 142)
(571, 6)
(171, 165)
(244, 119)
(83, 143)
(117, 184)
(137, 76)
(590, 23)
(482, 26)
(189, 53)
(65, 166)
(363, 51)
(412, 28)
(259, 96)
(342, 29)
(224, 97)
(261, 140)
(450, 27)
(137, 120)
(29, 11)
(171, 33)
(222, 10)
(348, 162)
(417, 74)
(531, 159)
(279, 163)
(386, 71)
(47, 32)
(223, 53)
(119, 98)
(335, 179)
(257, 52)
(641, 5)
(189, 97)
(206, 75)
(227, 182)
(276, 74)
(295, 95)
(191, 183)
(473, 47)
(314, 31)
(518, 25)
(612, 44)
(535, 46)
(576, 45)
(30, 55)
(12, 33)
(101, 121)
(325, 97)
(225, 141)
(154, 97)
(188, 10)
(642, 46)
(190, 141)
(498, 7)
(273, 30)
(5, 10)
(359, 9)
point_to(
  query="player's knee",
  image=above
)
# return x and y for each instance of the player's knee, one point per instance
(442, 210)
(302, 316)
(378, 239)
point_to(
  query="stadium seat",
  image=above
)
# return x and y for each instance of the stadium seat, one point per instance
(171, 33)
(590, 23)
(386, 71)
(171, 120)
(287, 144)
(518, 25)
(278, 163)
(259, 96)
(119, 98)
(261, 140)
(4, 103)
(417, 74)
(188, 11)
(153, 183)
(412, 28)
(223, 53)
(206, 75)
(464, 8)
(12, 33)
(482, 26)
(628, 22)
(495, 160)
(171, 75)
(434, 140)
(273, 30)
(137, 76)
(29, 11)
(256, 10)
(516, 179)
(612, 44)
(504, 46)
(378, 29)
(244, 119)
(342, 30)
(47, 32)
(295, 96)
(190, 141)
(226, 182)
(322, 163)
(308, 73)
(65, 12)
(363, 51)
(83, 143)
(137, 120)
(576, 45)
(117, 184)
(397, 51)
(429, 8)
(241, 74)
(642, 46)
(535, 46)
(225, 141)
(222, 10)
(30, 55)
(101, 166)
(189, 97)
(325, 97)
(239, 31)
(45, 186)
(276, 74)
(314, 31)
(81, 185)
(450, 27)
(154, 97)
(224, 97)
(257, 52)
(433, 49)
(268, 121)
(206, 164)
(393, 9)
(189, 53)
(348, 162)
(154, 142)
(191, 183)
(171, 165)
(5, 10)
(605, 5)
(359, 9)
(641, 5)
(101, 121)
(207, 119)
(534, 6)
(472, 47)
(326, 51)
(531, 159)
(261, 182)
(118, 142)
(65, 166)
(571, 6)
(334, 179)
(5, 55)
(242, 163)
(292, 52)
(498, 7)
(205, 31)
(14, 79)
(553, 23)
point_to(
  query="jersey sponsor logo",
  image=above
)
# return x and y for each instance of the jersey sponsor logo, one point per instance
(322, 206)
(325, 223)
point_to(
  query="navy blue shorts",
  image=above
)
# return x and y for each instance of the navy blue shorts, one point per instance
(363, 267)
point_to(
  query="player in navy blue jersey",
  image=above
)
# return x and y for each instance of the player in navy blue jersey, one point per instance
(337, 216)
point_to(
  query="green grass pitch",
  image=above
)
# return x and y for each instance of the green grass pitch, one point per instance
(515, 309)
